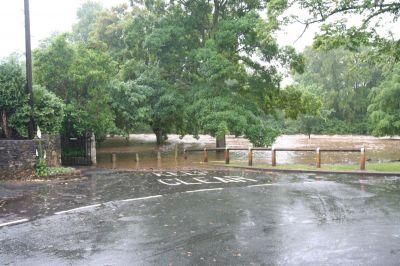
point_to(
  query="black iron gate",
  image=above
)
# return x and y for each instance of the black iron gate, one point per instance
(76, 150)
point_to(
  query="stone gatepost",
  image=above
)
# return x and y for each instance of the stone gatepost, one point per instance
(93, 150)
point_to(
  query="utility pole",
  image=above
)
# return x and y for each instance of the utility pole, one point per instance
(28, 53)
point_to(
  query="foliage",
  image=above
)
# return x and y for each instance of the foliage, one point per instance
(128, 101)
(343, 81)
(339, 30)
(54, 171)
(41, 168)
(195, 62)
(385, 107)
(80, 75)
(48, 110)
(87, 16)
(13, 96)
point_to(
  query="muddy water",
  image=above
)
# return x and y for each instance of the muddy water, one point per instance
(378, 150)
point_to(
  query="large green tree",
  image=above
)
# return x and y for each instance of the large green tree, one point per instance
(15, 111)
(87, 16)
(80, 75)
(343, 81)
(213, 64)
(12, 96)
(385, 107)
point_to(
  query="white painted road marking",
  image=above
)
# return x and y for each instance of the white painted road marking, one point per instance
(14, 222)
(180, 173)
(204, 180)
(150, 197)
(263, 185)
(201, 190)
(79, 209)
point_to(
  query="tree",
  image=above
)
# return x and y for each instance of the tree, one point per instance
(13, 96)
(80, 75)
(206, 52)
(48, 110)
(15, 109)
(385, 107)
(337, 20)
(87, 16)
(205, 66)
(343, 80)
(129, 103)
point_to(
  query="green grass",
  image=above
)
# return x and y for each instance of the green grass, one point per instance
(371, 167)
(60, 170)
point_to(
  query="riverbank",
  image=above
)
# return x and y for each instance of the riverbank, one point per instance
(371, 168)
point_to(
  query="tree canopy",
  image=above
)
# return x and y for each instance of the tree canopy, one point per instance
(15, 110)
(207, 66)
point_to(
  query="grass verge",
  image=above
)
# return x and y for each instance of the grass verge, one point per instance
(61, 171)
(370, 167)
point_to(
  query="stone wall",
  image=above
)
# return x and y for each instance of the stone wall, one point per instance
(18, 157)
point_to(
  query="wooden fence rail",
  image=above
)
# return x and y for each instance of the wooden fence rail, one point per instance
(273, 151)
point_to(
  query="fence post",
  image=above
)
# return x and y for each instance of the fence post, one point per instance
(250, 157)
(318, 158)
(185, 154)
(176, 152)
(205, 159)
(226, 155)
(158, 158)
(362, 159)
(273, 156)
(114, 160)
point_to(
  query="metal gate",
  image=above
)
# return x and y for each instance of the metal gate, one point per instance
(76, 150)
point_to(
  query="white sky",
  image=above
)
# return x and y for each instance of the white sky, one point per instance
(47, 17)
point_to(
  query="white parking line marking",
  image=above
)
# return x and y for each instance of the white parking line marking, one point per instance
(79, 209)
(150, 197)
(263, 185)
(14, 222)
(201, 190)
(98, 205)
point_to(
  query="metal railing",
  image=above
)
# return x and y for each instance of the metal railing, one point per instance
(273, 151)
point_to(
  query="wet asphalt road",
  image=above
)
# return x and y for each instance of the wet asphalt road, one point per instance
(202, 218)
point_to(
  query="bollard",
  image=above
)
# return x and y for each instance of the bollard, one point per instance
(250, 156)
(226, 156)
(273, 157)
(362, 159)
(205, 159)
(318, 158)
(114, 160)
(185, 154)
(137, 157)
(176, 152)
(158, 159)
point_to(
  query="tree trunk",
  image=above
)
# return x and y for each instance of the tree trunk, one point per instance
(4, 124)
(221, 142)
(159, 136)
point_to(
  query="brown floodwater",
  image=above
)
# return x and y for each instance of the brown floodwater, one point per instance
(143, 145)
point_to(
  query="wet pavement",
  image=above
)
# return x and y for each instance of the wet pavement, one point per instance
(204, 217)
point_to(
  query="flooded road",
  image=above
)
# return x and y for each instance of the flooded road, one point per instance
(378, 150)
(203, 217)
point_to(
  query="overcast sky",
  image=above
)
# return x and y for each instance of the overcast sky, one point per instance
(49, 16)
